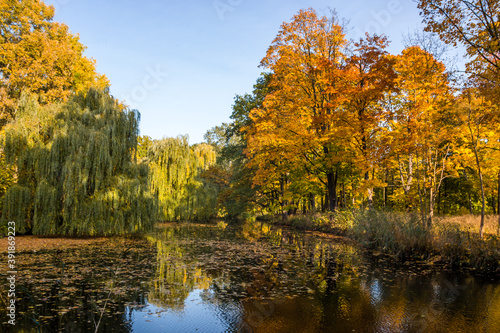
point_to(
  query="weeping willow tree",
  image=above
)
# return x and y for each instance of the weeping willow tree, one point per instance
(75, 168)
(177, 179)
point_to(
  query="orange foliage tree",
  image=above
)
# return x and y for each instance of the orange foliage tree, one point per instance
(296, 128)
(420, 137)
(371, 77)
(40, 56)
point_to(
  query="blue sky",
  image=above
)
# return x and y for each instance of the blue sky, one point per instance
(180, 63)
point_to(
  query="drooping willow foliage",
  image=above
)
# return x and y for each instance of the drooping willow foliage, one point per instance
(76, 169)
(177, 178)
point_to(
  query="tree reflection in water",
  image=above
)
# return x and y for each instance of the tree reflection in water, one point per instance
(248, 278)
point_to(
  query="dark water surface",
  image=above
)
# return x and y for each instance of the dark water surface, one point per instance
(250, 278)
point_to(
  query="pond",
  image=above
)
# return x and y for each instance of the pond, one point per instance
(246, 278)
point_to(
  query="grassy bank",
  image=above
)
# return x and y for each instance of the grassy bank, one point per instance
(453, 241)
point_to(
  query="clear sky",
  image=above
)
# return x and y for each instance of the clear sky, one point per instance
(180, 63)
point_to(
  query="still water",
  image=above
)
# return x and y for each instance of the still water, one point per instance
(246, 278)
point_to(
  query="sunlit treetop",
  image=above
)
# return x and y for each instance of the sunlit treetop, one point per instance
(40, 56)
(474, 24)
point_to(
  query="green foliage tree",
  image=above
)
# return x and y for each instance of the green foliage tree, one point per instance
(177, 171)
(38, 56)
(144, 143)
(233, 172)
(75, 168)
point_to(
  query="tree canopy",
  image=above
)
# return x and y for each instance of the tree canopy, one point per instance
(40, 56)
(346, 124)
(177, 178)
(75, 168)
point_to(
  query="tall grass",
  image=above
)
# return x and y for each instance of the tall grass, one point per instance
(454, 241)
(471, 223)
(391, 232)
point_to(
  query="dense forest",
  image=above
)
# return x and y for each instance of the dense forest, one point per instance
(331, 125)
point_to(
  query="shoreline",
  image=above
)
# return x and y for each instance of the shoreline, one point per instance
(465, 251)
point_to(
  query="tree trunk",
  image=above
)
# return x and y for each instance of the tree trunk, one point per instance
(481, 226)
(493, 204)
(331, 186)
(430, 217)
(343, 196)
(369, 190)
(421, 196)
(293, 209)
(439, 203)
(474, 141)
(312, 201)
(468, 194)
(435, 184)
(332, 191)
(284, 213)
(385, 187)
(409, 179)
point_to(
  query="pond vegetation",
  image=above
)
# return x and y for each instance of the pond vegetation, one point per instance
(251, 277)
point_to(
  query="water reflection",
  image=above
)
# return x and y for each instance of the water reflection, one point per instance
(280, 281)
(249, 278)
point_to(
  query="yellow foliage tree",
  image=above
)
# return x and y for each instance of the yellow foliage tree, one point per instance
(418, 132)
(40, 56)
(296, 126)
(476, 140)
(371, 76)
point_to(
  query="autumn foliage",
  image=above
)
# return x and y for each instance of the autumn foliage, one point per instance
(40, 56)
(331, 124)
(346, 124)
